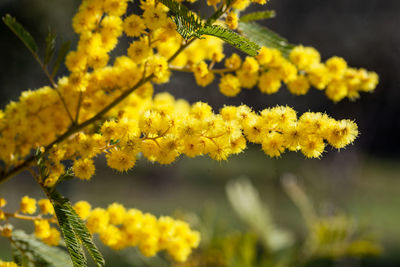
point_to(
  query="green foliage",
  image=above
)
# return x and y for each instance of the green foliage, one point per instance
(265, 37)
(231, 38)
(259, 15)
(245, 200)
(20, 31)
(50, 46)
(189, 25)
(62, 52)
(74, 231)
(27, 251)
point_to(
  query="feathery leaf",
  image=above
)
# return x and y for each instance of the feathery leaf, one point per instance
(64, 48)
(187, 22)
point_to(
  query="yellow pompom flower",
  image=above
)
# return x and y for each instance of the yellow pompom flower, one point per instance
(250, 65)
(273, 144)
(28, 205)
(269, 82)
(336, 67)
(232, 20)
(304, 57)
(312, 146)
(139, 50)
(233, 62)
(84, 168)
(82, 208)
(155, 17)
(121, 160)
(134, 26)
(98, 220)
(42, 229)
(342, 133)
(229, 85)
(299, 86)
(336, 90)
(53, 239)
(46, 207)
(3, 202)
(116, 213)
(115, 7)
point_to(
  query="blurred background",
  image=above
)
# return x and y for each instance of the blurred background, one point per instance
(361, 181)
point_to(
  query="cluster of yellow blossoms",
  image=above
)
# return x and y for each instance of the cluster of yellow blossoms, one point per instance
(117, 227)
(304, 69)
(104, 107)
(42, 221)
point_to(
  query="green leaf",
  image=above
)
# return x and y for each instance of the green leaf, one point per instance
(71, 241)
(21, 33)
(259, 15)
(232, 38)
(50, 46)
(61, 56)
(187, 23)
(26, 246)
(75, 229)
(85, 237)
(265, 37)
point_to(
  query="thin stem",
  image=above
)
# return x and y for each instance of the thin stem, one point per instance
(54, 85)
(78, 108)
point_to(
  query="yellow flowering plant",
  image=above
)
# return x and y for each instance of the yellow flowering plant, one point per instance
(107, 106)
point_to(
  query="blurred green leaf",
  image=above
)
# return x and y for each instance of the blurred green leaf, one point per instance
(232, 38)
(26, 246)
(259, 15)
(50, 46)
(265, 37)
(21, 33)
(64, 48)
(245, 200)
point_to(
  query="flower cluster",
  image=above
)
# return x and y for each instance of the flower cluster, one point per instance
(42, 220)
(302, 70)
(108, 107)
(119, 228)
(164, 128)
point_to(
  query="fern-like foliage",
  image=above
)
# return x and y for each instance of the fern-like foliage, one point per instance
(75, 232)
(187, 22)
(231, 38)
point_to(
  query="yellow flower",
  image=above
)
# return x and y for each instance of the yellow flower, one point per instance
(134, 26)
(42, 229)
(232, 20)
(45, 206)
(121, 160)
(229, 85)
(82, 208)
(83, 168)
(139, 50)
(28, 205)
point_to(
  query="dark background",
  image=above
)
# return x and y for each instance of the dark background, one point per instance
(362, 180)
